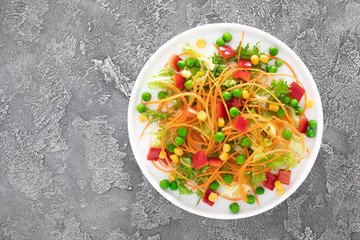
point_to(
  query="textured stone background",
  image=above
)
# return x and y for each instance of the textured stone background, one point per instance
(66, 71)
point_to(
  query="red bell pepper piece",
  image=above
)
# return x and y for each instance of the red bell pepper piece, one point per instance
(214, 162)
(244, 63)
(220, 110)
(303, 125)
(199, 160)
(168, 157)
(243, 75)
(206, 197)
(233, 102)
(190, 112)
(241, 124)
(179, 80)
(173, 62)
(270, 181)
(284, 176)
(153, 154)
(226, 52)
(296, 91)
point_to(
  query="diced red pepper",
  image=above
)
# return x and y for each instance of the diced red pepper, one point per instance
(173, 62)
(284, 176)
(220, 110)
(226, 52)
(243, 75)
(179, 80)
(296, 91)
(241, 124)
(153, 154)
(214, 162)
(303, 125)
(206, 197)
(244, 63)
(233, 102)
(190, 112)
(168, 157)
(199, 160)
(270, 181)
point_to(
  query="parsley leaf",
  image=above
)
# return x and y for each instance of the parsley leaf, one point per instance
(279, 88)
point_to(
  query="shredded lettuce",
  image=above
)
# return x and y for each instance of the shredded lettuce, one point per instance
(156, 136)
(191, 48)
(156, 115)
(183, 190)
(230, 82)
(256, 179)
(293, 115)
(165, 75)
(286, 159)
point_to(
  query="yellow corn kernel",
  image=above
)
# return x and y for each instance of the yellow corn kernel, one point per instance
(162, 155)
(174, 158)
(274, 107)
(279, 187)
(212, 197)
(200, 73)
(200, 43)
(226, 147)
(172, 176)
(254, 59)
(245, 94)
(201, 116)
(220, 122)
(264, 58)
(309, 104)
(186, 73)
(143, 118)
(178, 151)
(224, 156)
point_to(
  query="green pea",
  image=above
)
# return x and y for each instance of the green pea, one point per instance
(294, 103)
(312, 124)
(181, 64)
(162, 95)
(280, 113)
(220, 42)
(273, 51)
(286, 99)
(234, 207)
(182, 131)
(279, 62)
(219, 136)
(190, 62)
(227, 96)
(234, 112)
(179, 141)
(251, 199)
(260, 191)
(189, 84)
(164, 183)
(174, 186)
(236, 93)
(245, 142)
(197, 63)
(286, 134)
(272, 69)
(141, 108)
(146, 96)
(310, 133)
(228, 178)
(240, 159)
(227, 37)
(299, 110)
(171, 147)
(214, 185)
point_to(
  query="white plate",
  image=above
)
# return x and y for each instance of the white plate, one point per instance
(210, 33)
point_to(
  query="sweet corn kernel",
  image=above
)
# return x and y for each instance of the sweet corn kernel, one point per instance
(212, 197)
(201, 116)
(143, 118)
(224, 156)
(172, 176)
(200, 43)
(226, 147)
(174, 158)
(309, 103)
(178, 151)
(254, 59)
(220, 122)
(162, 155)
(279, 187)
(245, 94)
(264, 58)
(186, 73)
(273, 107)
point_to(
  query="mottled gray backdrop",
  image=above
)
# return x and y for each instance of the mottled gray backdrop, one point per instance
(66, 72)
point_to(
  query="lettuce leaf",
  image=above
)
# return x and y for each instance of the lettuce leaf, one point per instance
(191, 48)
(156, 115)
(256, 179)
(156, 136)
(286, 159)
(183, 190)
(293, 115)
(165, 75)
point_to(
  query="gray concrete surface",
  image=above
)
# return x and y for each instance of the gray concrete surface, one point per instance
(66, 71)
